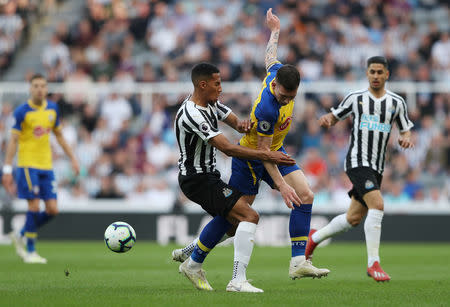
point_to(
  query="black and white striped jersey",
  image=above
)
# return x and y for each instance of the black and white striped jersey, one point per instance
(372, 124)
(194, 126)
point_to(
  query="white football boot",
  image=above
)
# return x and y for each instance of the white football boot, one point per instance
(34, 257)
(178, 255)
(197, 277)
(301, 267)
(19, 243)
(242, 286)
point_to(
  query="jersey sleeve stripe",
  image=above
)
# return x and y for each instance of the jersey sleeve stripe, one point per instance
(272, 63)
(344, 112)
(208, 120)
(262, 134)
(222, 108)
(193, 124)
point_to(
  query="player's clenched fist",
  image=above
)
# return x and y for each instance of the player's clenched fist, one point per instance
(405, 142)
(328, 120)
(244, 126)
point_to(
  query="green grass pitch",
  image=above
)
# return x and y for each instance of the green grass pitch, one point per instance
(146, 276)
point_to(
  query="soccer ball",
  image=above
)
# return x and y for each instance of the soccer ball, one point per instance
(120, 237)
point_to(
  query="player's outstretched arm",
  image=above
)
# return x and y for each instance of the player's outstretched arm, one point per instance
(233, 150)
(273, 23)
(241, 126)
(7, 178)
(327, 120)
(62, 142)
(404, 140)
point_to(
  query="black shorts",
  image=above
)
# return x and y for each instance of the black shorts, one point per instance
(364, 179)
(209, 191)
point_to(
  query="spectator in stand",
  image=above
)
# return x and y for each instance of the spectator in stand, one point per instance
(115, 110)
(108, 189)
(328, 40)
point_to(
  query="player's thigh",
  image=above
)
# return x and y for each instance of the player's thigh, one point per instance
(298, 181)
(356, 212)
(250, 199)
(51, 206)
(242, 212)
(210, 192)
(27, 183)
(246, 175)
(374, 200)
(47, 185)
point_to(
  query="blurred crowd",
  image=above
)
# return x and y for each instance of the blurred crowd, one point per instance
(16, 20)
(128, 150)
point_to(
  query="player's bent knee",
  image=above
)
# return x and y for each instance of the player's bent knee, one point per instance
(379, 205)
(252, 217)
(308, 197)
(52, 211)
(354, 221)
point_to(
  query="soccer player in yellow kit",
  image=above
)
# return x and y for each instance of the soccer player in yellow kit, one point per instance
(272, 115)
(30, 136)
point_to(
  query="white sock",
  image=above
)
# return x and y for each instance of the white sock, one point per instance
(372, 229)
(244, 239)
(193, 265)
(337, 225)
(298, 259)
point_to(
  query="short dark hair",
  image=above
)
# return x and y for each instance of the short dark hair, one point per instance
(289, 77)
(37, 76)
(203, 71)
(378, 60)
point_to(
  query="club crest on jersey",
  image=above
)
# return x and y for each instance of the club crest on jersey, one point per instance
(204, 127)
(286, 123)
(51, 117)
(264, 125)
(227, 192)
(369, 185)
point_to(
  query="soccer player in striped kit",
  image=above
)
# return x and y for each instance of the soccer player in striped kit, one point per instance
(374, 111)
(198, 137)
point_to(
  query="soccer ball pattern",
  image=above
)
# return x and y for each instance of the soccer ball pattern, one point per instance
(120, 237)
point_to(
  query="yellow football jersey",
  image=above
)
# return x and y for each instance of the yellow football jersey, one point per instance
(270, 118)
(34, 123)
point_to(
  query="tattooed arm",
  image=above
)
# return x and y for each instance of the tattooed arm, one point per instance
(271, 51)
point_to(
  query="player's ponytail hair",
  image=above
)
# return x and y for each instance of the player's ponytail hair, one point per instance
(289, 77)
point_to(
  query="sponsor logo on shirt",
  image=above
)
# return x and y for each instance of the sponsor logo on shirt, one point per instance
(372, 122)
(286, 123)
(40, 131)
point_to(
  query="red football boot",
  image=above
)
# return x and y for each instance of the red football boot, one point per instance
(377, 273)
(310, 246)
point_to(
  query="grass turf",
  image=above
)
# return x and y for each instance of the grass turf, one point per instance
(146, 276)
